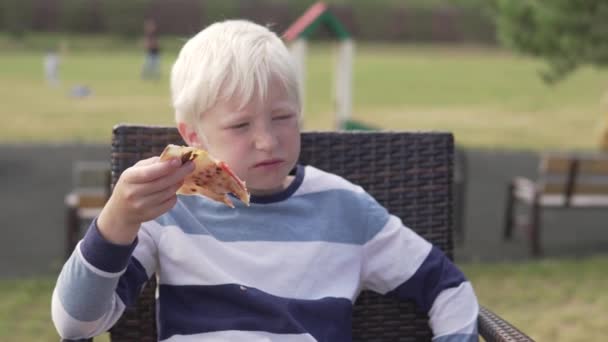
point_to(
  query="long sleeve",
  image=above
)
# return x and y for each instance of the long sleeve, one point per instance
(399, 262)
(98, 281)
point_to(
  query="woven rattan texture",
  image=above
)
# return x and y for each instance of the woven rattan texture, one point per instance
(408, 173)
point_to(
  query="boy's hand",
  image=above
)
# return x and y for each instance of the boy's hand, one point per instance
(143, 192)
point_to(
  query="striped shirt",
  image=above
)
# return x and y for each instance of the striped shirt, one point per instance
(287, 268)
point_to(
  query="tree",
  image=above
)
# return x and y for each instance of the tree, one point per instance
(566, 33)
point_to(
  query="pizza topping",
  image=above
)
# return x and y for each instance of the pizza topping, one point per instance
(187, 157)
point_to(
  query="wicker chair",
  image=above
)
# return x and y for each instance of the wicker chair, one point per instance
(409, 173)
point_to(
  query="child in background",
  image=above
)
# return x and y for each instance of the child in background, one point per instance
(51, 67)
(151, 67)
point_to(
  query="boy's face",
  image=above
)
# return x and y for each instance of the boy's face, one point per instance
(261, 142)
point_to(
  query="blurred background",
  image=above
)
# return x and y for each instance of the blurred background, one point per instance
(521, 84)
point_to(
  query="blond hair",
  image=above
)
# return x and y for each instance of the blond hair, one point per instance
(233, 60)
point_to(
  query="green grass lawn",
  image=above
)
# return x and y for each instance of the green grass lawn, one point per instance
(487, 97)
(551, 300)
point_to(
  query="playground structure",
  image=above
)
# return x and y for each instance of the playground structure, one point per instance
(297, 36)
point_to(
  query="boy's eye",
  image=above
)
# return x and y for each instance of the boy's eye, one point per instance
(283, 117)
(239, 125)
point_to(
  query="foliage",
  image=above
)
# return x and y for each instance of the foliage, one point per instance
(79, 16)
(15, 16)
(566, 33)
(414, 20)
(124, 17)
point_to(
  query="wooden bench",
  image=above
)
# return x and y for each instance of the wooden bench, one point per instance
(564, 181)
(90, 191)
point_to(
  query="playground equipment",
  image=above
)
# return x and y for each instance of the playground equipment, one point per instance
(297, 36)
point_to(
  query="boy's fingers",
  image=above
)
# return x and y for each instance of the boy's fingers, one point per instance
(148, 161)
(146, 173)
(162, 195)
(180, 174)
(171, 179)
(153, 204)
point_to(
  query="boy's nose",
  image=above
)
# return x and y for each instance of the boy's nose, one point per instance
(266, 140)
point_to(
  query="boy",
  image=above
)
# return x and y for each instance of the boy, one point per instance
(286, 268)
(51, 67)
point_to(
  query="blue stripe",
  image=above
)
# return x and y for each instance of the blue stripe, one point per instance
(436, 274)
(339, 216)
(102, 254)
(131, 282)
(298, 172)
(199, 309)
(77, 284)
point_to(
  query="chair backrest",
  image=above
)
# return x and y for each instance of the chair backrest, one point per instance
(574, 174)
(409, 173)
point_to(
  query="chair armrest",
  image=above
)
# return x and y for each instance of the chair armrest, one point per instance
(493, 328)
(524, 188)
(71, 200)
(523, 183)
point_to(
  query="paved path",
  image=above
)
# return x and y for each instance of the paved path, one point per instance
(35, 178)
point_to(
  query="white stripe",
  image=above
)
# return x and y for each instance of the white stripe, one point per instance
(316, 180)
(94, 269)
(145, 251)
(454, 311)
(249, 336)
(71, 328)
(393, 256)
(314, 269)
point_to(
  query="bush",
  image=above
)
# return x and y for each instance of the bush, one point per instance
(414, 20)
(16, 16)
(80, 16)
(124, 18)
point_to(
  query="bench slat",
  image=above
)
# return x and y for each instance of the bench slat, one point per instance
(574, 175)
(578, 189)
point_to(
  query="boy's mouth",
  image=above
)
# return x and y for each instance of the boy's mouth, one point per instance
(268, 162)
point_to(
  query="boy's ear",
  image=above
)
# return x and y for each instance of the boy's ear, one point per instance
(189, 135)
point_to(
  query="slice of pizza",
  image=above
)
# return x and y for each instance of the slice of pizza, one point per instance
(211, 178)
